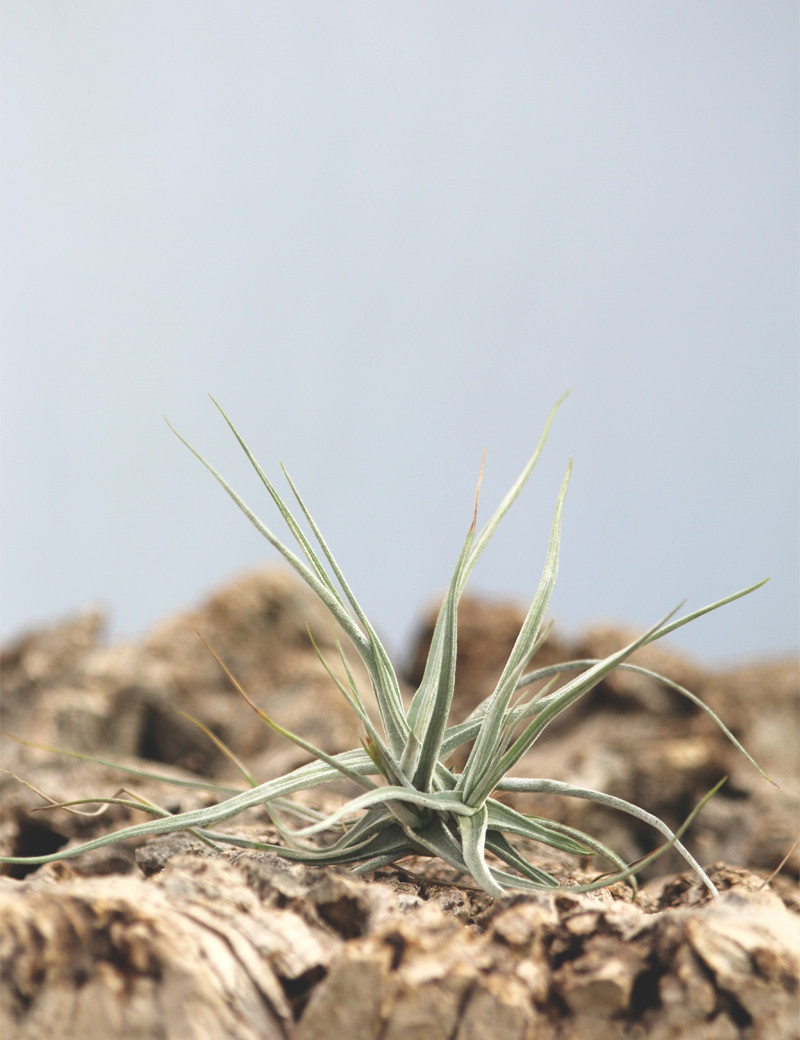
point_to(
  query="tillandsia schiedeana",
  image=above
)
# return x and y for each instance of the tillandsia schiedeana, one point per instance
(412, 800)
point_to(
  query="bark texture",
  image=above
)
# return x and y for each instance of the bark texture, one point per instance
(247, 947)
(167, 939)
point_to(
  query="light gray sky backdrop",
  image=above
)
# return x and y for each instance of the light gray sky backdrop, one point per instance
(386, 237)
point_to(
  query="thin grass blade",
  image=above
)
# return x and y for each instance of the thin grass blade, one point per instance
(492, 728)
(322, 586)
(479, 544)
(438, 697)
(473, 840)
(570, 791)
(387, 688)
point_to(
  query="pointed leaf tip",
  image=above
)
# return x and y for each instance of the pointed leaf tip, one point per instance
(478, 493)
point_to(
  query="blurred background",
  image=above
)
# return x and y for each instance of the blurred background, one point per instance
(387, 237)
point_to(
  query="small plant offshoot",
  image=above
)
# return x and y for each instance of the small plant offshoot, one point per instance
(411, 800)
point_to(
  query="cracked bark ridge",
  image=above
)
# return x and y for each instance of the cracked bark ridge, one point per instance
(247, 946)
(166, 939)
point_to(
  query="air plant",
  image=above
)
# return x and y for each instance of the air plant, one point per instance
(412, 800)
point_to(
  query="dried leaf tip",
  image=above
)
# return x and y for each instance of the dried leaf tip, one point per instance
(478, 493)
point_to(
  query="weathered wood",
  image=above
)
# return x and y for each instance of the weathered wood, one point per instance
(172, 941)
(194, 955)
(249, 947)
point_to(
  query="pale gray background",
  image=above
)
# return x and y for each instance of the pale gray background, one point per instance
(387, 236)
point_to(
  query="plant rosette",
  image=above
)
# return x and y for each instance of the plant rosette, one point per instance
(411, 802)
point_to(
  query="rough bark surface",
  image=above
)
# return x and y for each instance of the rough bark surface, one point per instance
(169, 939)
